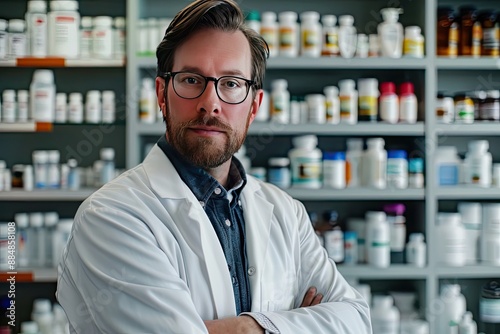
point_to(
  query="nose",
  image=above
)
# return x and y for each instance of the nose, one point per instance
(209, 101)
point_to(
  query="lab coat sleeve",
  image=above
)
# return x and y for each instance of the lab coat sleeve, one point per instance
(342, 310)
(114, 278)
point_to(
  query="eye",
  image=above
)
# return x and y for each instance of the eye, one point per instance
(230, 82)
(189, 78)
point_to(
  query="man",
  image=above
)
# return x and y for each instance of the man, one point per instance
(186, 242)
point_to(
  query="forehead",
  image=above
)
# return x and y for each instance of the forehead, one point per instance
(214, 53)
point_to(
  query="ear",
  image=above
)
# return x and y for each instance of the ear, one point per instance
(160, 94)
(257, 101)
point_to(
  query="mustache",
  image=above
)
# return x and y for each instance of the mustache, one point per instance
(206, 120)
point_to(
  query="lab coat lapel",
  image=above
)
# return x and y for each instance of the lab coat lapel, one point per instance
(195, 228)
(258, 215)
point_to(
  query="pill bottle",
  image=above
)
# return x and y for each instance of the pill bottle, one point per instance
(17, 38)
(453, 305)
(317, 108)
(93, 107)
(416, 173)
(310, 38)
(102, 37)
(36, 24)
(378, 238)
(413, 45)
(350, 248)
(451, 235)
(53, 171)
(23, 113)
(108, 106)
(333, 237)
(397, 223)
(374, 168)
(362, 46)
(389, 103)
(490, 41)
(43, 96)
(4, 39)
(397, 169)
(470, 32)
(416, 250)
(390, 32)
(107, 155)
(384, 315)
(75, 108)
(61, 113)
(252, 20)
(447, 165)
(408, 104)
(464, 108)
(288, 34)
(373, 45)
(9, 106)
(368, 99)
(269, 30)
(36, 236)
(305, 161)
(278, 172)
(471, 219)
(330, 36)
(478, 164)
(64, 28)
(445, 108)
(280, 101)
(86, 49)
(489, 109)
(490, 234)
(348, 101)
(489, 306)
(354, 154)
(332, 102)
(358, 225)
(119, 37)
(347, 36)
(334, 169)
(147, 102)
(153, 37)
(447, 32)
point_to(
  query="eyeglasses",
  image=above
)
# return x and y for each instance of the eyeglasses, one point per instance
(230, 89)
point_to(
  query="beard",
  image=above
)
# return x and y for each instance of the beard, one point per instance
(206, 153)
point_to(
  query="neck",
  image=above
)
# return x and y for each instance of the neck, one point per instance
(221, 173)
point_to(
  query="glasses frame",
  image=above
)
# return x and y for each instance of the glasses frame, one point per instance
(168, 75)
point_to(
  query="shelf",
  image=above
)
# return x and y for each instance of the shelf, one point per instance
(472, 271)
(358, 194)
(395, 271)
(322, 63)
(479, 128)
(18, 127)
(52, 62)
(467, 63)
(27, 275)
(360, 129)
(467, 193)
(45, 195)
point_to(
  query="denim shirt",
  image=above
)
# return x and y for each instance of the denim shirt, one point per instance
(224, 210)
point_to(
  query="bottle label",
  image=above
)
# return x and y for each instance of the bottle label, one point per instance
(490, 41)
(310, 39)
(453, 40)
(345, 107)
(307, 170)
(269, 36)
(368, 106)
(413, 47)
(477, 32)
(447, 175)
(331, 44)
(287, 38)
(464, 111)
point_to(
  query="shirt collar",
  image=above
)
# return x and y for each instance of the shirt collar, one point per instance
(198, 180)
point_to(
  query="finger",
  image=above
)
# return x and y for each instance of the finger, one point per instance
(308, 297)
(317, 299)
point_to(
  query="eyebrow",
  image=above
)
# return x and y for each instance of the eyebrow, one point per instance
(195, 69)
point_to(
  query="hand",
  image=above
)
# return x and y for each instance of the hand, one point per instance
(243, 324)
(311, 298)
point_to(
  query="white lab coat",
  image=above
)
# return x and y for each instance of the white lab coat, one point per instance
(143, 257)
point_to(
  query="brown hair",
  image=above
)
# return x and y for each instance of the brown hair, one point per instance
(224, 15)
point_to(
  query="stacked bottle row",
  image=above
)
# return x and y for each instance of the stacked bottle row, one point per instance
(470, 236)
(150, 34)
(290, 34)
(308, 167)
(470, 32)
(45, 318)
(43, 104)
(371, 102)
(380, 239)
(47, 172)
(40, 239)
(58, 33)
(468, 107)
(476, 168)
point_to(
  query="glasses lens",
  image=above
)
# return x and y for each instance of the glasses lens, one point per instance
(232, 89)
(189, 85)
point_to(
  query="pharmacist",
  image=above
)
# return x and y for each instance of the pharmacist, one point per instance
(186, 242)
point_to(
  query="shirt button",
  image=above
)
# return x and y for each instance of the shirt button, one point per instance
(217, 191)
(239, 203)
(202, 204)
(251, 271)
(228, 222)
